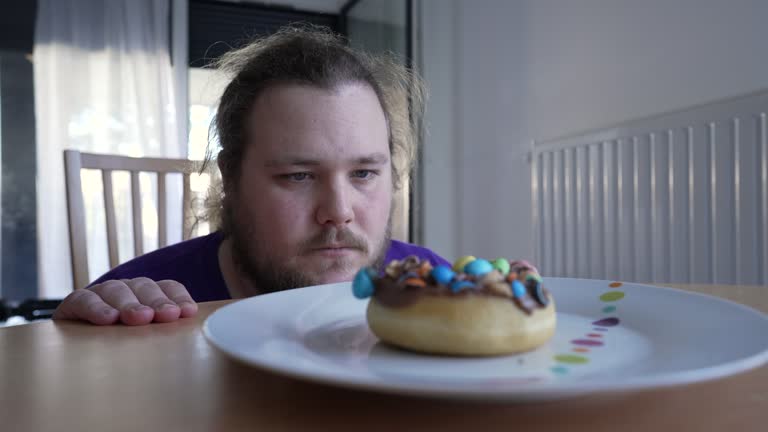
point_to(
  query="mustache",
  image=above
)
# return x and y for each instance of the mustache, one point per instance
(335, 237)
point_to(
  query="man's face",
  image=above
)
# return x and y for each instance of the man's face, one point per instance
(315, 191)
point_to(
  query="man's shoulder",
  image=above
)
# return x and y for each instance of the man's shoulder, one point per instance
(399, 250)
(165, 262)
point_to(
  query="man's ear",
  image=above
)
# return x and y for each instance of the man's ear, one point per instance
(222, 170)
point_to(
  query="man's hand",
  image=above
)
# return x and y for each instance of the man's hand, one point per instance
(130, 301)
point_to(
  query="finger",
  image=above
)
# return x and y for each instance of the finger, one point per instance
(120, 296)
(178, 294)
(149, 293)
(86, 305)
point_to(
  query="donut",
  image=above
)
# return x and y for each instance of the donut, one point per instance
(475, 308)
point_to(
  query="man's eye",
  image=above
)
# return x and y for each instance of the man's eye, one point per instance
(297, 177)
(363, 174)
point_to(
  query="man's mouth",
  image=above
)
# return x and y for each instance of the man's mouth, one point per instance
(335, 250)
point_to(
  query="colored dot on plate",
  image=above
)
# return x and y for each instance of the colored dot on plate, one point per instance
(571, 359)
(594, 335)
(587, 342)
(581, 350)
(615, 284)
(560, 370)
(609, 309)
(607, 322)
(612, 296)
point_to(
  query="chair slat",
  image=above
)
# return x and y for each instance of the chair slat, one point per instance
(186, 204)
(76, 213)
(126, 163)
(138, 230)
(162, 211)
(109, 209)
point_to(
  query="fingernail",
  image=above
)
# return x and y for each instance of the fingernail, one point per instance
(139, 308)
(107, 311)
(166, 306)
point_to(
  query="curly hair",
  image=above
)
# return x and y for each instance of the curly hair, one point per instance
(315, 56)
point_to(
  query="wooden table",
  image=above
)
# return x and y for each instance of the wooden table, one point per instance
(68, 376)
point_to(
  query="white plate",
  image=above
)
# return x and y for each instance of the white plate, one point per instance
(608, 339)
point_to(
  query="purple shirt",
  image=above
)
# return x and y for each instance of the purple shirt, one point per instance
(195, 264)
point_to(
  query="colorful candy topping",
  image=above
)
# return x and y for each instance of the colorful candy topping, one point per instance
(443, 274)
(459, 264)
(415, 282)
(478, 267)
(538, 294)
(402, 281)
(362, 285)
(518, 289)
(502, 265)
(459, 285)
(533, 276)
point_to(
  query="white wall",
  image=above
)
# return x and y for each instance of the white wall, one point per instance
(538, 69)
(595, 62)
(436, 43)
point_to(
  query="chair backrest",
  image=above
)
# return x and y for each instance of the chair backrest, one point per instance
(75, 161)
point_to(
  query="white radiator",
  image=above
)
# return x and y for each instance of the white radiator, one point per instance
(680, 197)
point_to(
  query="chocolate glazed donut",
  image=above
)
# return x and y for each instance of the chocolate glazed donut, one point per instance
(478, 308)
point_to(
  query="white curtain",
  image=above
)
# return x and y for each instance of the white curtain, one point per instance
(103, 84)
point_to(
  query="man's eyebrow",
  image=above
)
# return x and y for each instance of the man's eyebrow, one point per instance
(372, 159)
(291, 161)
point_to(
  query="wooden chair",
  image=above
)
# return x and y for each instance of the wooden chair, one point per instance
(74, 161)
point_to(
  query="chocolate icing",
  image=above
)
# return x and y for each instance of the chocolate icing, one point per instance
(393, 290)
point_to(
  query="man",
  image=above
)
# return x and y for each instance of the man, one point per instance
(315, 137)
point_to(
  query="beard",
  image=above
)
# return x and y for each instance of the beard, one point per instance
(268, 273)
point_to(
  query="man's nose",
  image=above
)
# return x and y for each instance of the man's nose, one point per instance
(335, 206)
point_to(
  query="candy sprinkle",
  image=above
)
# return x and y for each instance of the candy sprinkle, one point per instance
(462, 262)
(478, 267)
(518, 289)
(443, 274)
(502, 265)
(362, 285)
(459, 285)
